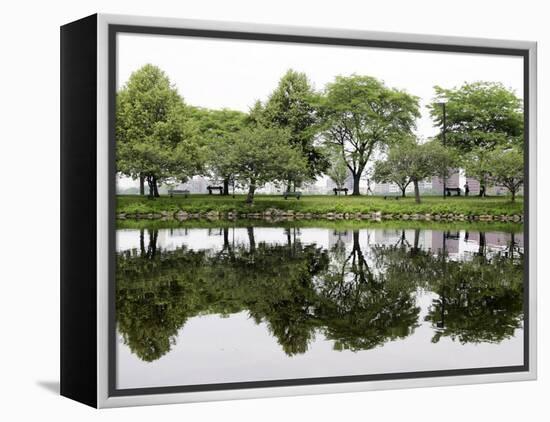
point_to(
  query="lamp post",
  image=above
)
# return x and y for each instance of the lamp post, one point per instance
(444, 141)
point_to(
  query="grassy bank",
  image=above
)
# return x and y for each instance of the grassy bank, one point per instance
(320, 204)
(336, 225)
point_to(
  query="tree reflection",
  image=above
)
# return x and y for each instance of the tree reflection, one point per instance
(360, 308)
(479, 300)
(358, 295)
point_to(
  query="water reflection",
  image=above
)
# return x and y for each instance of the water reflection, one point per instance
(359, 289)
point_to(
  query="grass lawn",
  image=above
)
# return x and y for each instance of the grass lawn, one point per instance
(320, 204)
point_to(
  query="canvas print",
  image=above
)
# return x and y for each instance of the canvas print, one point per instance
(299, 212)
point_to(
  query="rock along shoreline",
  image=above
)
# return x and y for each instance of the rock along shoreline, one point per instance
(274, 214)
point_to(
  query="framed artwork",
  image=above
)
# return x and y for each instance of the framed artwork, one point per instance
(253, 210)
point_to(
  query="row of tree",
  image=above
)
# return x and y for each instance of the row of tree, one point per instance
(484, 133)
(299, 134)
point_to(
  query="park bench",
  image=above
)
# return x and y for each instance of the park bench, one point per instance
(395, 196)
(296, 194)
(336, 190)
(211, 188)
(449, 190)
(183, 192)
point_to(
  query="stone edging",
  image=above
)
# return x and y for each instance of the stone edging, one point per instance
(272, 214)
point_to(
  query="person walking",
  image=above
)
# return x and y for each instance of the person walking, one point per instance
(466, 189)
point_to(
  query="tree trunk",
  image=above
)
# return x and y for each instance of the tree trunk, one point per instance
(226, 186)
(403, 192)
(142, 185)
(356, 179)
(150, 185)
(288, 186)
(416, 192)
(482, 188)
(251, 240)
(482, 243)
(155, 187)
(513, 192)
(288, 238)
(250, 195)
(142, 242)
(226, 238)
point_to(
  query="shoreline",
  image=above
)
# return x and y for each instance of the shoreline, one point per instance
(283, 215)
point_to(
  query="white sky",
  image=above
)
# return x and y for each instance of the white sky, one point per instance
(217, 73)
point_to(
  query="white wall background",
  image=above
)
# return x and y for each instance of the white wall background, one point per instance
(29, 211)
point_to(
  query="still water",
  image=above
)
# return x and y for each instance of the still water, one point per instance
(232, 304)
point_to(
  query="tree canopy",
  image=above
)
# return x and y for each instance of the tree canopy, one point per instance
(360, 115)
(410, 162)
(292, 106)
(155, 137)
(506, 168)
(480, 118)
(479, 115)
(216, 130)
(261, 155)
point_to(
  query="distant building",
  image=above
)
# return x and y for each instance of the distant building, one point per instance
(330, 185)
(197, 184)
(425, 187)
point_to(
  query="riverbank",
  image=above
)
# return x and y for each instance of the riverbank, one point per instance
(338, 225)
(321, 207)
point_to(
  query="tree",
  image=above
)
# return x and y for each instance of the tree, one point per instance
(338, 170)
(410, 162)
(261, 155)
(506, 169)
(430, 159)
(292, 106)
(155, 137)
(476, 165)
(480, 117)
(360, 114)
(396, 168)
(216, 128)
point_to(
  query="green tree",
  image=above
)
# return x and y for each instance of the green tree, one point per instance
(479, 117)
(360, 115)
(476, 165)
(506, 169)
(338, 170)
(291, 106)
(411, 162)
(261, 155)
(216, 128)
(155, 138)
(396, 168)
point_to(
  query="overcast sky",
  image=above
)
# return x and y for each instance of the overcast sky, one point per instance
(217, 73)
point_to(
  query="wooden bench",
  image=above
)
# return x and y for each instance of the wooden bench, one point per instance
(211, 188)
(183, 192)
(395, 196)
(336, 190)
(296, 194)
(449, 190)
